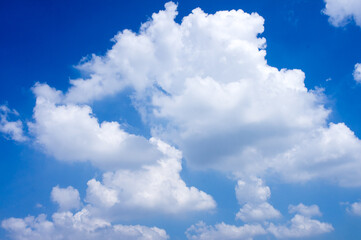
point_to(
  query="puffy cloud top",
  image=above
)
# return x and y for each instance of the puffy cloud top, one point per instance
(204, 86)
(67, 198)
(343, 11)
(157, 187)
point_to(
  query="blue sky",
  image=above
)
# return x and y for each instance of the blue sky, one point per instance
(211, 124)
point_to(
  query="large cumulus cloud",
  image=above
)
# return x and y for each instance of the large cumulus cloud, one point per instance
(206, 91)
(204, 85)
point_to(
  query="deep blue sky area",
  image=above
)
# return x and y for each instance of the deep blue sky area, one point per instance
(42, 41)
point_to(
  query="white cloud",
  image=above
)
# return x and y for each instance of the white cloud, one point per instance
(253, 194)
(357, 72)
(201, 231)
(252, 190)
(355, 208)
(257, 212)
(331, 153)
(98, 194)
(157, 187)
(204, 86)
(82, 226)
(300, 227)
(308, 211)
(341, 12)
(158, 53)
(11, 129)
(67, 198)
(72, 133)
(226, 108)
(144, 173)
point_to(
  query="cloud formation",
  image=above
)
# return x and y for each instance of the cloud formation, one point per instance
(71, 132)
(341, 12)
(357, 73)
(201, 231)
(355, 208)
(300, 227)
(330, 153)
(308, 211)
(157, 187)
(67, 198)
(253, 194)
(204, 86)
(81, 225)
(11, 129)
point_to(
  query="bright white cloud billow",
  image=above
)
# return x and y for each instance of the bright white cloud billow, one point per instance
(81, 225)
(252, 190)
(253, 195)
(67, 198)
(341, 12)
(300, 227)
(84, 224)
(204, 86)
(257, 212)
(331, 153)
(71, 132)
(156, 187)
(11, 129)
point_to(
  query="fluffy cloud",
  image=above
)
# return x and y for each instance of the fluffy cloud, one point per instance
(201, 231)
(341, 12)
(254, 195)
(12, 129)
(204, 86)
(357, 72)
(355, 208)
(72, 133)
(155, 187)
(252, 190)
(308, 211)
(144, 173)
(331, 153)
(165, 53)
(81, 225)
(67, 198)
(300, 227)
(260, 212)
